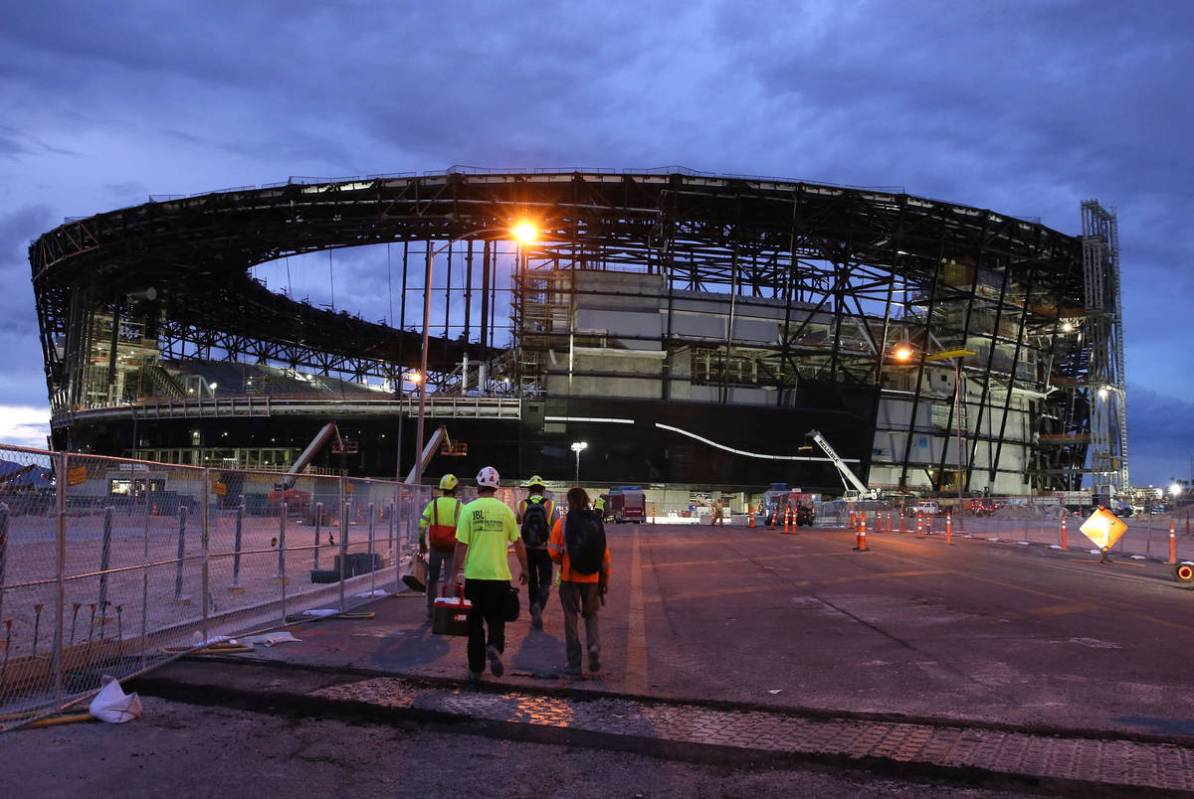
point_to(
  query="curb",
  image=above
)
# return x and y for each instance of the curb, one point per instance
(275, 696)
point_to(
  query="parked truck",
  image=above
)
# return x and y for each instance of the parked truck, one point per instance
(627, 504)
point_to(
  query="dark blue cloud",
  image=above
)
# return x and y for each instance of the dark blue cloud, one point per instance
(1026, 108)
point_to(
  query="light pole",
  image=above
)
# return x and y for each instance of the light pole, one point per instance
(524, 232)
(579, 447)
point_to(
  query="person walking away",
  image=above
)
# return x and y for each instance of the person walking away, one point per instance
(437, 536)
(599, 506)
(578, 544)
(536, 514)
(486, 528)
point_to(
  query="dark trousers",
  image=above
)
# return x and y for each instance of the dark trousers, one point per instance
(487, 597)
(580, 599)
(539, 579)
(437, 562)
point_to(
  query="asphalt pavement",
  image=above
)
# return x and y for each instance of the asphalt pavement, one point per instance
(974, 631)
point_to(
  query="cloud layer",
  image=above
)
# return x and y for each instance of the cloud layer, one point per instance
(1027, 108)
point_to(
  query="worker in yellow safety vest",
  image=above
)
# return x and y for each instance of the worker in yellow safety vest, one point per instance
(536, 514)
(438, 524)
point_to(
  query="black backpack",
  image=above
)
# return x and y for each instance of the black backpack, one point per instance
(534, 524)
(584, 536)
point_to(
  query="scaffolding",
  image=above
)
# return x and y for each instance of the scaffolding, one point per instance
(1105, 384)
(666, 286)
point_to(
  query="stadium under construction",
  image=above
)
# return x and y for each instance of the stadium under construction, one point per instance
(691, 328)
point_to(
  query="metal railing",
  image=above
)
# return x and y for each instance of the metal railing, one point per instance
(111, 566)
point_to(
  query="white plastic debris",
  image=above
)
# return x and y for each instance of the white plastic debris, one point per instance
(113, 705)
(319, 613)
(373, 593)
(197, 639)
(1139, 557)
(775, 691)
(269, 639)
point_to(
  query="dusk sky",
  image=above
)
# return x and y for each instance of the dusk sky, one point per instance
(1026, 108)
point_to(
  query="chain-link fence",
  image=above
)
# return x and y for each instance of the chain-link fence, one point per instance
(111, 566)
(1024, 520)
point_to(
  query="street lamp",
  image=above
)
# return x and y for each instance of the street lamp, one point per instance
(524, 232)
(579, 447)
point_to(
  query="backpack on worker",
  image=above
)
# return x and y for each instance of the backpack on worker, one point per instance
(534, 523)
(584, 538)
(442, 537)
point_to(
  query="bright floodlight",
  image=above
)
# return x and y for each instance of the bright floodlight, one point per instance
(1067, 327)
(415, 377)
(579, 446)
(214, 386)
(1103, 392)
(525, 232)
(1175, 489)
(902, 353)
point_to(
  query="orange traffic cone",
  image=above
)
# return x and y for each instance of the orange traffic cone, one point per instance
(949, 528)
(860, 539)
(787, 520)
(750, 517)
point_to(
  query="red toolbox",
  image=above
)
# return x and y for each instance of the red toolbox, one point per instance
(450, 616)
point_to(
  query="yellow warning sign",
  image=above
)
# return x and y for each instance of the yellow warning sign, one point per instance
(1103, 528)
(76, 475)
(219, 489)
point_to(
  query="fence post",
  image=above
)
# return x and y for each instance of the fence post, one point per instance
(345, 510)
(145, 582)
(318, 525)
(203, 542)
(281, 540)
(3, 551)
(372, 570)
(236, 547)
(390, 533)
(282, 556)
(182, 537)
(60, 569)
(105, 558)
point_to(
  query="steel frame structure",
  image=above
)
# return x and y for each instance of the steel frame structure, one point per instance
(853, 270)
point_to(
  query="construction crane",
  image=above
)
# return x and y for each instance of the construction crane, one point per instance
(854, 488)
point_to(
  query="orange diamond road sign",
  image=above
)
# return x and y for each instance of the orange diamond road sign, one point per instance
(1103, 528)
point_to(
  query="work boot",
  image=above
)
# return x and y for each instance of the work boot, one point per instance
(536, 618)
(495, 661)
(474, 678)
(594, 659)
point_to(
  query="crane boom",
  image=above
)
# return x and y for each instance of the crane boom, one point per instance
(848, 476)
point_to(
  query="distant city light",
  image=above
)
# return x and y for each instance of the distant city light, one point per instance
(1175, 489)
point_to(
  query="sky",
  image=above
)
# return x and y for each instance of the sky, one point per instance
(1026, 108)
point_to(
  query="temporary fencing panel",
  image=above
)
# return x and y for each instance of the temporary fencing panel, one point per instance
(111, 566)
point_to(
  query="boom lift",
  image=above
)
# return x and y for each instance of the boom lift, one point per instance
(854, 488)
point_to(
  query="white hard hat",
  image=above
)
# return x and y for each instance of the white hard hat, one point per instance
(489, 477)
